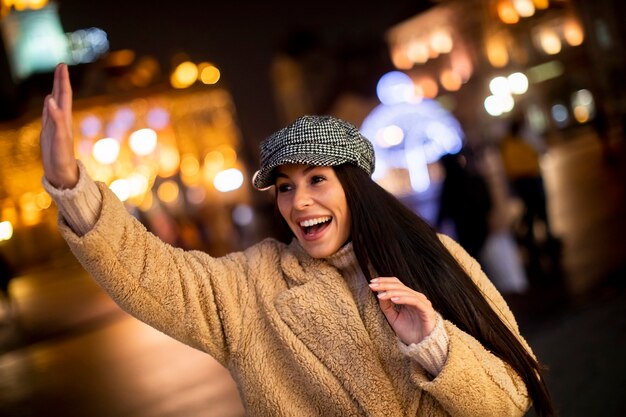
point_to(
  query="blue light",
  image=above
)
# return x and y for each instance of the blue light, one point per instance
(430, 131)
(158, 118)
(90, 126)
(395, 87)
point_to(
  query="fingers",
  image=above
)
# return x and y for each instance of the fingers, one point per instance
(392, 289)
(54, 122)
(409, 312)
(44, 114)
(55, 83)
(54, 111)
(62, 91)
(65, 94)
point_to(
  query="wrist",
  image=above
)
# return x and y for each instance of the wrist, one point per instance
(66, 180)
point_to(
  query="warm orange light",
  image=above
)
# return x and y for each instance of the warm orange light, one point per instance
(417, 52)
(573, 32)
(441, 41)
(400, 59)
(507, 13)
(497, 53)
(168, 191)
(20, 5)
(429, 87)
(168, 161)
(213, 161)
(37, 4)
(189, 165)
(525, 8)
(121, 58)
(550, 42)
(450, 80)
(184, 75)
(30, 212)
(209, 74)
(9, 212)
(229, 154)
(146, 203)
(581, 113)
(43, 200)
(541, 4)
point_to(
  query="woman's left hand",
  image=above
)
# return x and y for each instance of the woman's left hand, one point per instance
(410, 313)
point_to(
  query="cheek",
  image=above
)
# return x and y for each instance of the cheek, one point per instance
(283, 207)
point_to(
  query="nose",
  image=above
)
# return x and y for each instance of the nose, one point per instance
(302, 198)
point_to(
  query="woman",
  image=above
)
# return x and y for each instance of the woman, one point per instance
(298, 325)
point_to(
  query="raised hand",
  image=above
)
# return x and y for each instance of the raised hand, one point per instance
(410, 313)
(57, 147)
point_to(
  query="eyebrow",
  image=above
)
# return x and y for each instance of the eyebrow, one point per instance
(306, 170)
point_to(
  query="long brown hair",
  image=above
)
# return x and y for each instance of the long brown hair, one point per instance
(397, 242)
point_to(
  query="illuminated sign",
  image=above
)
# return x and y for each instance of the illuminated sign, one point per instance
(35, 42)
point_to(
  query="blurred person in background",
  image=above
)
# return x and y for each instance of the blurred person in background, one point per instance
(471, 200)
(500, 255)
(366, 312)
(601, 124)
(465, 201)
(521, 165)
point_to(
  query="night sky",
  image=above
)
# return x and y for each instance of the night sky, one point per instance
(242, 37)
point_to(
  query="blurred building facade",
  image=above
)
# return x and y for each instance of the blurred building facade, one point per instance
(554, 63)
(166, 142)
(493, 60)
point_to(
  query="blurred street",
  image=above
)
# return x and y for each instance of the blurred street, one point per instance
(69, 351)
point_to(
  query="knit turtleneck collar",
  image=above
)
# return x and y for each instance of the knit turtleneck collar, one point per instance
(344, 259)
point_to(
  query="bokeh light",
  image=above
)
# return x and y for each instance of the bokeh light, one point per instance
(499, 86)
(106, 151)
(427, 130)
(395, 87)
(6, 230)
(243, 214)
(143, 141)
(560, 114)
(573, 32)
(208, 73)
(550, 42)
(168, 191)
(507, 13)
(518, 83)
(389, 136)
(121, 188)
(228, 180)
(184, 75)
(525, 8)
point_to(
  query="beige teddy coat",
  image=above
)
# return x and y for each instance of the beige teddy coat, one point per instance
(288, 329)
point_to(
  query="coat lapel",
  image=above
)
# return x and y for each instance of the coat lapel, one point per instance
(320, 311)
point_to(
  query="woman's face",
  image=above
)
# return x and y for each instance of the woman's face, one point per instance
(313, 203)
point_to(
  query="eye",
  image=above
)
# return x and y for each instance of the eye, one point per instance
(283, 188)
(316, 179)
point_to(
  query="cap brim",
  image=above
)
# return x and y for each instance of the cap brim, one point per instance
(264, 178)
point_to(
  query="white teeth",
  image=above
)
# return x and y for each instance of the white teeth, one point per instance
(312, 222)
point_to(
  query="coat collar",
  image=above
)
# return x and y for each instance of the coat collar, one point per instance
(320, 311)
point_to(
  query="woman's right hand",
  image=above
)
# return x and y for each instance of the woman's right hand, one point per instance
(57, 147)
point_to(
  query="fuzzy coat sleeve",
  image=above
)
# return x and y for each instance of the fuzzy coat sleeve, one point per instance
(473, 381)
(196, 299)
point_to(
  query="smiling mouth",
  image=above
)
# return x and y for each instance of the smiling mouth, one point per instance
(313, 227)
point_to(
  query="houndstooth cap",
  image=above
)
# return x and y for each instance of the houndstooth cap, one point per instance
(313, 140)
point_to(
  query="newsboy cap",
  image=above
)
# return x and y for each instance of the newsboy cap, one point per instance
(314, 140)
